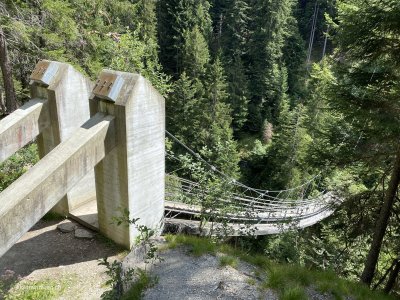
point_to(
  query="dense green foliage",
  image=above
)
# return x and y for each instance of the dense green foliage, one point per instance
(17, 164)
(241, 91)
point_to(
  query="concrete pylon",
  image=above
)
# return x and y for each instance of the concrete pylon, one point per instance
(32, 195)
(67, 92)
(131, 176)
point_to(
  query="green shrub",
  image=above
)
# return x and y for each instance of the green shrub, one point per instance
(17, 164)
(143, 282)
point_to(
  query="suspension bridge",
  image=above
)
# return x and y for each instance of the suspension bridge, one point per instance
(102, 150)
(239, 209)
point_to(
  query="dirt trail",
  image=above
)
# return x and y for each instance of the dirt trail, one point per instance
(45, 253)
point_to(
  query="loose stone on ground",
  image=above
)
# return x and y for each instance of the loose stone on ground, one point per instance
(66, 227)
(81, 233)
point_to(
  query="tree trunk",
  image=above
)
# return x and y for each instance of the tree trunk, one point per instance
(2, 106)
(392, 278)
(11, 102)
(381, 225)
(384, 275)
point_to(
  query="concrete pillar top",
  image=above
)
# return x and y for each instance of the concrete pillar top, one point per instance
(45, 72)
(120, 87)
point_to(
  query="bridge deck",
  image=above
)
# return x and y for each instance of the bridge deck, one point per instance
(87, 215)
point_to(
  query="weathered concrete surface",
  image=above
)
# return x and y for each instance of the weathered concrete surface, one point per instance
(22, 126)
(132, 175)
(26, 200)
(68, 103)
(86, 215)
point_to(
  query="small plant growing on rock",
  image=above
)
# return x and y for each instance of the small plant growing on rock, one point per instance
(145, 237)
(119, 278)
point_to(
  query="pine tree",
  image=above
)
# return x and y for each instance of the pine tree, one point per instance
(177, 19)
(182, 110)
(238, 92)
(234, 47)
(6, 69)
(195, 54)
(266, 53)
(219, 137)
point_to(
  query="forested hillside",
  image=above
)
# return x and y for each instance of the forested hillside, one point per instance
(271, 93)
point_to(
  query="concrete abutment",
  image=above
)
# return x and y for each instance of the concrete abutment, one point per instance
(116, 156)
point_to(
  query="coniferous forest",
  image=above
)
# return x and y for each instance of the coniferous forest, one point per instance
(271, 93)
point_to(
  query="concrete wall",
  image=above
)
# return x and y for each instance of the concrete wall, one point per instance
(67, 95)
(132, 175)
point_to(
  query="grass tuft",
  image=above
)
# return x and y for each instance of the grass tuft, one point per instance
(290, 280)
(143, 282)
(294, 293)
(228, 260)
(257, 260)
(199, 246)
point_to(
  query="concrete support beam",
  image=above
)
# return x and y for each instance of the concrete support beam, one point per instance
(23, 126)
(132, 175)
(30, 197)
(67, 92)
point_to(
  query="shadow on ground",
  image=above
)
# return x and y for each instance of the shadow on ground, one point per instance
(44, 246)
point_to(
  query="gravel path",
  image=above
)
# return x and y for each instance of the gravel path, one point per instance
(183, 276)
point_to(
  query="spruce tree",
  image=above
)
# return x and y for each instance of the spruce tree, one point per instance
(219, 134)
(284, 163)
(294, 56)
(176, 19)
(195, 54)
(234, 47)
(182, 110)
(269, 33)
(238, 92)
